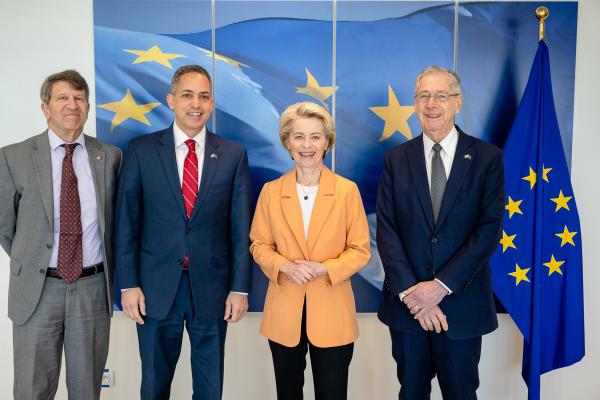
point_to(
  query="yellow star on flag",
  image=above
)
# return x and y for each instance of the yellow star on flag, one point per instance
(313, 89)
(507, 241)
(228, 60)
(531, 178)
(128, 108)
(154, 54)
(554, 266)
(513, 207)
(566, 237)
(545, 173)
(395, 117)
(562, 201)
(520, 274)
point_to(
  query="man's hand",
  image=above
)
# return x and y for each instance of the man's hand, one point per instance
(236, 306)
(317, 268)
(298, 273)
(432, 318)
(134, 304)
(423, 295)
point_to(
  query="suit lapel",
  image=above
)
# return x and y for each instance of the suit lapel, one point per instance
(97, 160)
(460, 166)
(291, 210)
(43, 172)
(209, 167)
(166, 153)
(416, 164)
(322, 207)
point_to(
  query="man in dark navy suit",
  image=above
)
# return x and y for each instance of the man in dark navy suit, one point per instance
(183, 218)
(439, 213)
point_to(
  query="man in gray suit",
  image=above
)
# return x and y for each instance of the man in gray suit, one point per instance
(56, 210)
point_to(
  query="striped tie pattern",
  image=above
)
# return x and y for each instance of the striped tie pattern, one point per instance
(438, 180)
(189, 186)
(70, 248)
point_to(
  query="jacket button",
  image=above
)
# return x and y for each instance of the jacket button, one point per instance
(49, 245)
(42, 271)
(188, 230)
(434, 240)
(428, 266)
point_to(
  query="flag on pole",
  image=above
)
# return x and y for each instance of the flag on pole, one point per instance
(537, 269)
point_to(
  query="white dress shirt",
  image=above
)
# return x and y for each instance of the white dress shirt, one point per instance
(91, 241)
(181, 150)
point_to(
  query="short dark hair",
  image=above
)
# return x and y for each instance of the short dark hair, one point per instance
(70, 76)
(186, 69)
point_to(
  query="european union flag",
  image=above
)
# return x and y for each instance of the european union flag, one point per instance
(537, 270)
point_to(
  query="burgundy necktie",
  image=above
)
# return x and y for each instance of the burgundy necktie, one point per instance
(189, 187)
(70, 250)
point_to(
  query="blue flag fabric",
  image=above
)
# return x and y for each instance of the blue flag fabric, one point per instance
(537, 269)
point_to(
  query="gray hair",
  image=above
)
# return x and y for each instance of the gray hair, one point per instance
(186, 69)
(454, 79)
(70, 76)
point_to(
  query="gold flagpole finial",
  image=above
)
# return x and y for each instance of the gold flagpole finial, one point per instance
(541, 13)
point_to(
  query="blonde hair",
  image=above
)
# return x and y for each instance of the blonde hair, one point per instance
(306, 109)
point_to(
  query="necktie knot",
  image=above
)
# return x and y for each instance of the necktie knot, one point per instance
(69, 148)
(191, 144)
(437, 148)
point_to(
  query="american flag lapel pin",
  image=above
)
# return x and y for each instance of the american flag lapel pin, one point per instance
(467, 156)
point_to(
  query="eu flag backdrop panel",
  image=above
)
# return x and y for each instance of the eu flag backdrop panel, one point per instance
(271, 54)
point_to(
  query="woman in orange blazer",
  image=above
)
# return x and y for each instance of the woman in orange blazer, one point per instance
(309, 236)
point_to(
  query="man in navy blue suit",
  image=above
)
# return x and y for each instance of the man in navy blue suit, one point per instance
(182, 223)
(439, 213)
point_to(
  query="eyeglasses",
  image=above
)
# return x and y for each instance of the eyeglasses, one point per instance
(440, 97)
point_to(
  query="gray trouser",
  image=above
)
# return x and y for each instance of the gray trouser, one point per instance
(76, 316)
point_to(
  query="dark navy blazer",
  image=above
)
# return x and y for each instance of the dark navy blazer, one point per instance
(153, 233)
(456, 249)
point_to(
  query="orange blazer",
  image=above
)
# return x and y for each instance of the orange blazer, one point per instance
(338, 237)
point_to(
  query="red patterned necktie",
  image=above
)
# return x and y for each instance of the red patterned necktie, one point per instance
(70, 250)
(189, 187)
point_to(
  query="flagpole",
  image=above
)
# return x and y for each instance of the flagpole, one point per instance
(542, 13)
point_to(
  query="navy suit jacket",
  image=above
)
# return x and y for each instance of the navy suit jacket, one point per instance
(153, 233)
(456, 249)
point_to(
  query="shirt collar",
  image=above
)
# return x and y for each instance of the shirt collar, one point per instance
(56, 141)
(181, 137)
(449, 142)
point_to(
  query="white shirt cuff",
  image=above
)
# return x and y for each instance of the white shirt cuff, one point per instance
(445, 287)
(245, 294)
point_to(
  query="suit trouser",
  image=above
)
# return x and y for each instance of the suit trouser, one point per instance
(160, 347)
(71, 315)
(329, 366)
(420, 356)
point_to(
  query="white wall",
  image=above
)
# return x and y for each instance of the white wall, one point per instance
(41, 37)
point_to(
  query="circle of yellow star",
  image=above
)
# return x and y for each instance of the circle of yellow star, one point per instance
(395, 117)
(520, 274)
(154, 54)
(562, 201)
(554, 266)
(507, 241)
(531, 178)
(566, 237)
(513, 207)
(313, 89)
(128, 108)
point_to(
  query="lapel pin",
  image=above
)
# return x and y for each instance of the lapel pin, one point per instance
(467, 156)
(213, 155)
(98, 158)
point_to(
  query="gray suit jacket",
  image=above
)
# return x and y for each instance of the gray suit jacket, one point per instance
(27, 215)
